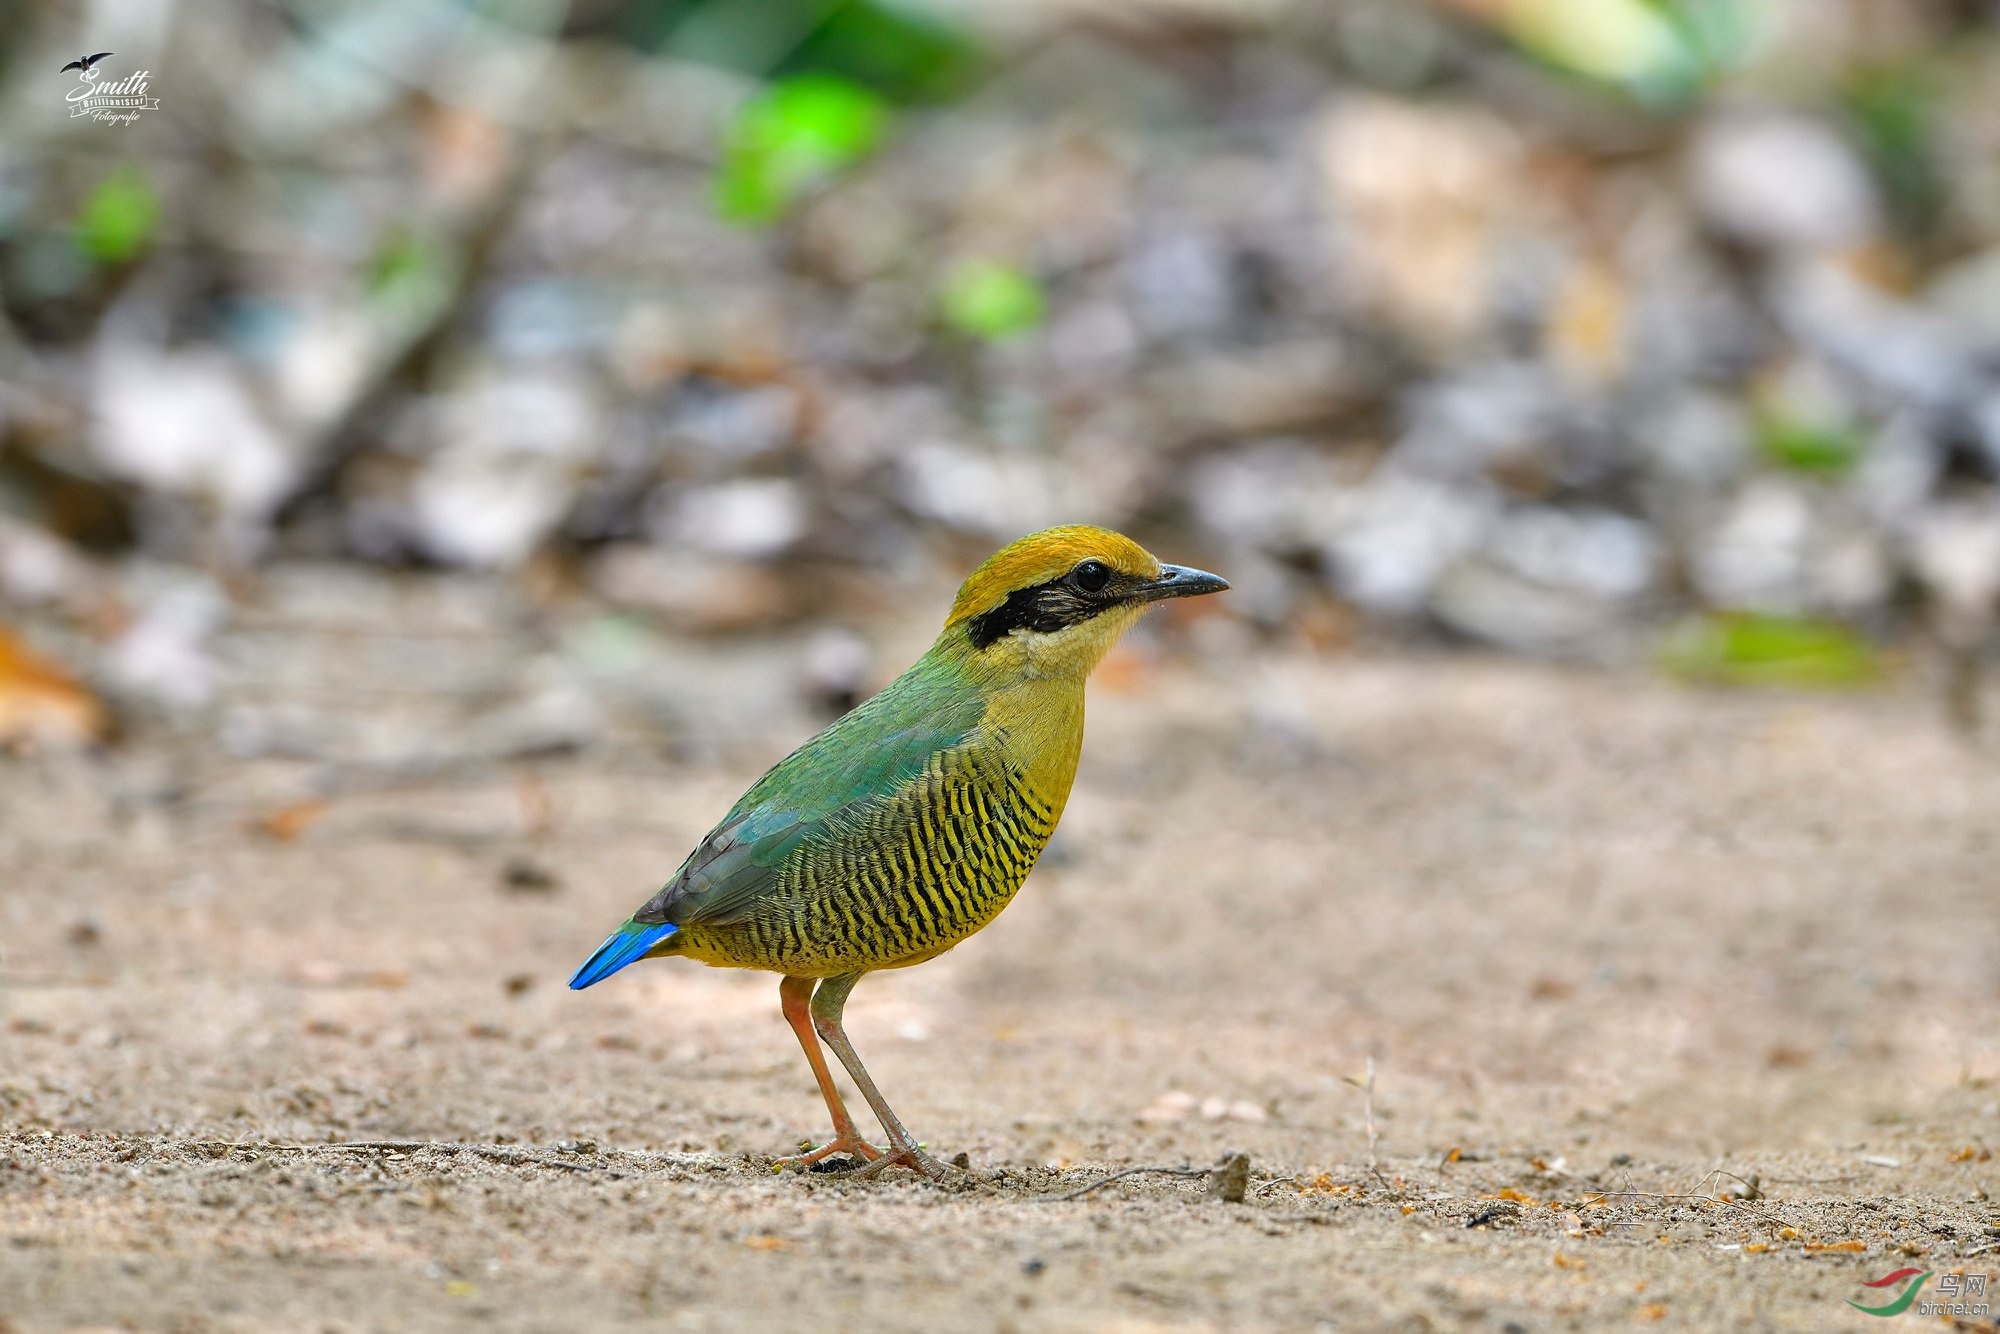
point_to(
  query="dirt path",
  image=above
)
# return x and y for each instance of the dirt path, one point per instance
(1606, 942)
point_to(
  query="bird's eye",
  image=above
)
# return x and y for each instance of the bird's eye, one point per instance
(1091, 576)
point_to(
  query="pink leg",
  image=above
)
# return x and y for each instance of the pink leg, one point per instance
(795, 994)
(904, 1151)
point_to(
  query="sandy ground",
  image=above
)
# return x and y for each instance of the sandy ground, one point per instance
(1613, 948)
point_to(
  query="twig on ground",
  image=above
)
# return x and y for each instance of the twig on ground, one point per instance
(1606, 1196)
(1082, 1191)
(1367, 1087)
(1753, 1184)
(498, 1153)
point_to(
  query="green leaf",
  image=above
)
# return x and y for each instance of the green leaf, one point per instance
(991, 300)
(1659, 52)
(905, 53)
(407, 266)
(401, 259)
(1896, 113)
(792, 137)
(117, 221)
(611, 644)
(1820, 449)
(1752, 649)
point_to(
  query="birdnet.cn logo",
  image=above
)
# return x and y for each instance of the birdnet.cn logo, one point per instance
(1955, 1296)
(118, 101)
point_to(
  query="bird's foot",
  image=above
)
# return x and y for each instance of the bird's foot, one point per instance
(911, 1156)
(849, 1143)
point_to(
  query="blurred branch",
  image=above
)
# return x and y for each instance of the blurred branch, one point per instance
(413, 362)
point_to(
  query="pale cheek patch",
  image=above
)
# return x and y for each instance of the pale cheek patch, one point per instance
(1075, 650)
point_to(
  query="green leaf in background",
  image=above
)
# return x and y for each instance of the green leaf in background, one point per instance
(791, 137)
(611, 644)
(905, 52)
(116, 222)
(990, 300)
(1717, 35)
(1895, 112)
(406, 263)
(1752, 649)
(1660, 52)
(909, 55)
(1819, 449)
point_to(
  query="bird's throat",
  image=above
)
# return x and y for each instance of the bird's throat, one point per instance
(1038, 725)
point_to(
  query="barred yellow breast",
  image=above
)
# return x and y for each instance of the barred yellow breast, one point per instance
(914, 875)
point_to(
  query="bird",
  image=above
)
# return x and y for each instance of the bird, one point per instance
(910, 822)
(88, 64)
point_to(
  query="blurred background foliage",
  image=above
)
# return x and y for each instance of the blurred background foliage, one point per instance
(1651, 330)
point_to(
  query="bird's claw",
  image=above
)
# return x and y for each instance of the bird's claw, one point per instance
(912, 1157)
(852, 1145)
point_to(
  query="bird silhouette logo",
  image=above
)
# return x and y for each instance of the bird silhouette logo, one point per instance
(87, 65)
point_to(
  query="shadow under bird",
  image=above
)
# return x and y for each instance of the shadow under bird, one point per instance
(909, 823)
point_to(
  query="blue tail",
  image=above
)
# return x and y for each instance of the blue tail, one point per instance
(627, 944)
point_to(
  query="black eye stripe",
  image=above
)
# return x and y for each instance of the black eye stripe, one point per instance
(1056, 605)
(1045, 608)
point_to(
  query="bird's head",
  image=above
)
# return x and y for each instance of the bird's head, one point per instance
(1053, 603)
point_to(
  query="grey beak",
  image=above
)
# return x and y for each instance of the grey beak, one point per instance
(1180, 581)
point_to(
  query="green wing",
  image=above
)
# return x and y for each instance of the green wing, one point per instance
(828, 785)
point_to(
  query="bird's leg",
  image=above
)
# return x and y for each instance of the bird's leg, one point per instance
(827, 1003)
(794, 994)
